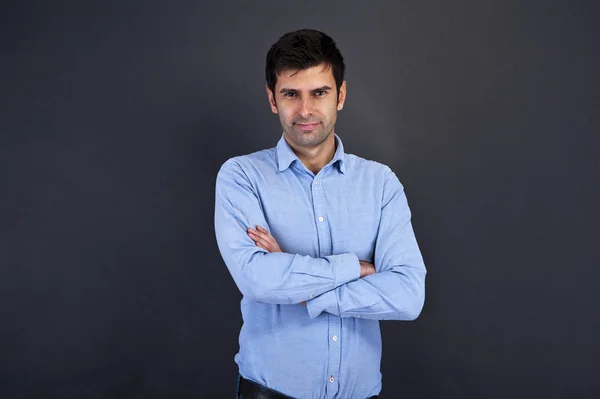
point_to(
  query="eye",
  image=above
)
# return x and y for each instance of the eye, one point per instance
(290, 94)
(320, 93)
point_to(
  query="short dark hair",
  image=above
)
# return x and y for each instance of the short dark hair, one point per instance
(303, 49)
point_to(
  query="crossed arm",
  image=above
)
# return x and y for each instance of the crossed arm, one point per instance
(263, 239)
(336, 284)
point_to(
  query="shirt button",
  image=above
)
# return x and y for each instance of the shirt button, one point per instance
(316, 181)
(334, 338)
(358, 316)
(310, 296)
(331, 379)
(321, 218)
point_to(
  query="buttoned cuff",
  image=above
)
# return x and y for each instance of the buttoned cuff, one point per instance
(326, 302)
(346, 268)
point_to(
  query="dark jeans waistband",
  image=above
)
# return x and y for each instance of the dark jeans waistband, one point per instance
(247, 389)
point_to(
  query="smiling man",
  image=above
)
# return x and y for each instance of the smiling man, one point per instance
(318, 241)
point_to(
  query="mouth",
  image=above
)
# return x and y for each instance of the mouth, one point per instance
(307, 127)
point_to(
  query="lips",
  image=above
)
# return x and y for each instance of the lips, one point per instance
(307, 126)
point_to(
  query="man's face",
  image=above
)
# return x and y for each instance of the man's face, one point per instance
(307, 103)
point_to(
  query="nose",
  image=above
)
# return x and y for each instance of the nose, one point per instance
(306, 109)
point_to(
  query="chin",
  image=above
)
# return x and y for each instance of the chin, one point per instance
(308, 139)
(312, 141)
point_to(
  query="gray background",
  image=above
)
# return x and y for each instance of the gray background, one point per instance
(114, 120)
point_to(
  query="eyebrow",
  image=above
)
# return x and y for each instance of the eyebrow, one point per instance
(286, 90)
(322, 88)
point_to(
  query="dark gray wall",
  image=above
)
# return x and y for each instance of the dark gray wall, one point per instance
(115, 117)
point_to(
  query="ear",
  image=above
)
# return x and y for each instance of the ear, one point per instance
(272, 102)
(342, 96)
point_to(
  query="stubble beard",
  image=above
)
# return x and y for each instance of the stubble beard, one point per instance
(308, 139)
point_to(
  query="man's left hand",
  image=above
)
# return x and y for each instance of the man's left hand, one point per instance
(263, 239)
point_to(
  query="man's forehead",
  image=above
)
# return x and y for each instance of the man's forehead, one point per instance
(319, 73)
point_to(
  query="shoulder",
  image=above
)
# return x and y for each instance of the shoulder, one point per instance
(250, 163)
(367, 166)
(373, 174)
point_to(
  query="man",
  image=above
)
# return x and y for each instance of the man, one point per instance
(318, 241)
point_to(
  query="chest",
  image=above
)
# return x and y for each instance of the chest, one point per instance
(320, 216)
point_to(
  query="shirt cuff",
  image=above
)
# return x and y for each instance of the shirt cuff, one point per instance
(326, 302)
(346, 268)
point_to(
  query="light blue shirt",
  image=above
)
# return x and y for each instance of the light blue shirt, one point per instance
(353, 209)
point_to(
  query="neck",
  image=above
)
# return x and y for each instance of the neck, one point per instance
(314, 158)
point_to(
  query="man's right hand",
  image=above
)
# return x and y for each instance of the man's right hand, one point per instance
(366, 268)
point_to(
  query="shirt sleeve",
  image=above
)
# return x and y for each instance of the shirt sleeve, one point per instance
(278, 278)
(397, 290)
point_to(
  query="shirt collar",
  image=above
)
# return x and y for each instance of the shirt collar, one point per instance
(286, 156)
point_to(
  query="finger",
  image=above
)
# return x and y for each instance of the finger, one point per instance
(260, 246)
(265, 237)
(265, 232)
(262, 229)
(262, 243)
(257, 236)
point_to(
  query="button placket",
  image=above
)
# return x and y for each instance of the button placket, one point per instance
(325, 249)
(319, 209)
